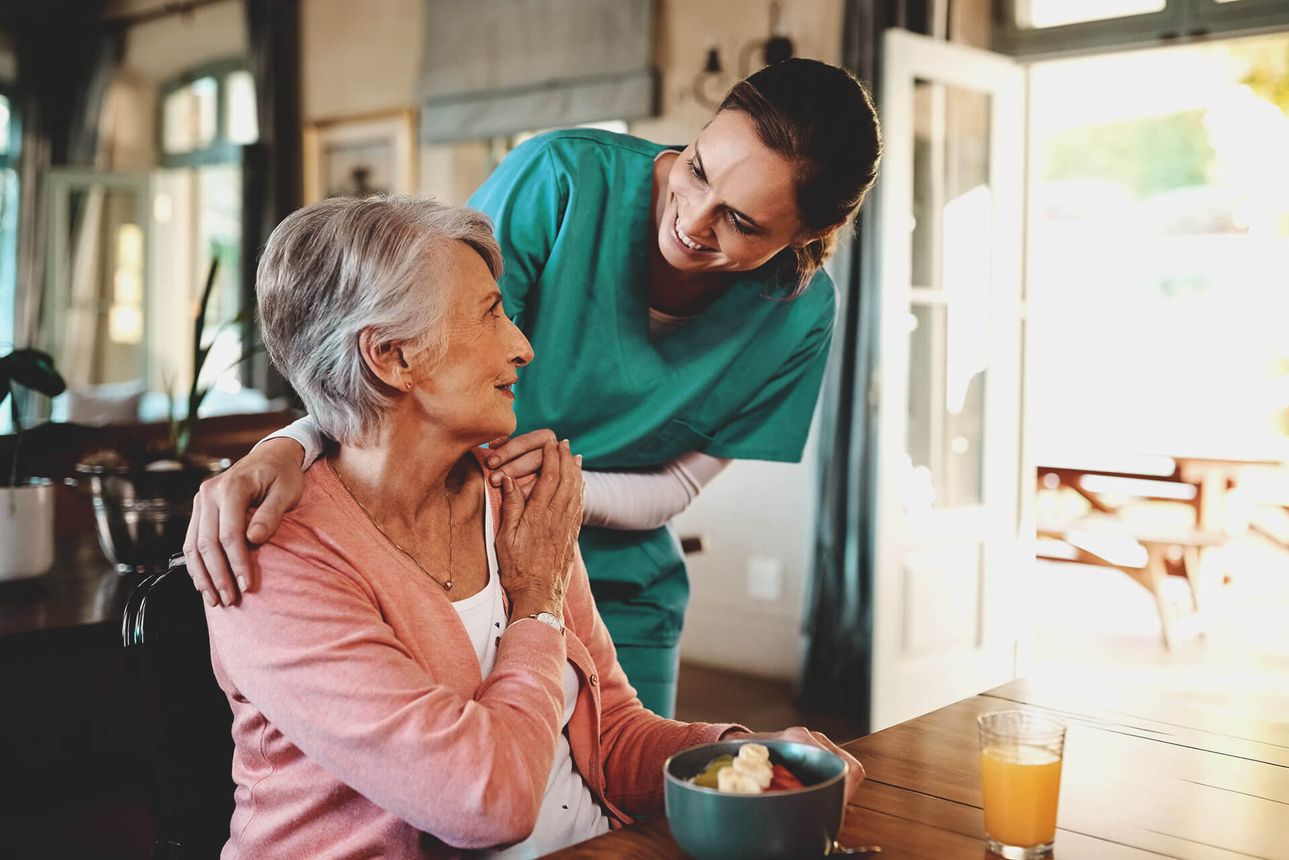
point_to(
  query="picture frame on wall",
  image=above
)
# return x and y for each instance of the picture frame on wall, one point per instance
(355, 156)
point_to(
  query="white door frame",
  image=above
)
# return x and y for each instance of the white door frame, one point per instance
(907, 683)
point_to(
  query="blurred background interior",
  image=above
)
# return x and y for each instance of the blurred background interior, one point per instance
(1054, 432)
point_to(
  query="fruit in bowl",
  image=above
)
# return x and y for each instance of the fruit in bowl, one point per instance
(749, 772)
(755, 818)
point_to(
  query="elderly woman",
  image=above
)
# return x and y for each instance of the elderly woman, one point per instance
(425, 670)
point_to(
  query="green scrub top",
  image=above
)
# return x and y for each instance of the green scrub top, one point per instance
(573, 214)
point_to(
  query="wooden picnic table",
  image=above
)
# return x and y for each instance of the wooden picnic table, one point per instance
(1209, 477)
(1147, 775)
(1202, 481)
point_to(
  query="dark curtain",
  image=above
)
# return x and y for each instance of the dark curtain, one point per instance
(66, 60)
(837, 675)
(271, 168)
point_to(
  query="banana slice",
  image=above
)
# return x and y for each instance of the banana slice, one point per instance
(754, 753)
(732, 781)
(762, 772)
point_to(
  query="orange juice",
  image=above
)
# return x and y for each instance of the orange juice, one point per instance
(1021, 785)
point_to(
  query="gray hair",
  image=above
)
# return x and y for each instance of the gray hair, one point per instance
(338, 267)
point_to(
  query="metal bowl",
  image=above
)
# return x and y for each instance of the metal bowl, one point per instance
(792, 825)
(141, 513)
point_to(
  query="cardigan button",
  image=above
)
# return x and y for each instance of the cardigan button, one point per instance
(595, 679)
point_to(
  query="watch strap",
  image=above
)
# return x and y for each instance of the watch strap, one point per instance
(545, 618)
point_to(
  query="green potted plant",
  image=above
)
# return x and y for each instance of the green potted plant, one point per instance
(143, 497)
(26, 505)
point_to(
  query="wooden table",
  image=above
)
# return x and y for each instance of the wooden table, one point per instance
(1204, 483)
(1201, 481)
(1147, 775)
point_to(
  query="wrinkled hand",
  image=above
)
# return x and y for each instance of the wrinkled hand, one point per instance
(216, 550)
(537, 540)
(801, 734)
(519, 457)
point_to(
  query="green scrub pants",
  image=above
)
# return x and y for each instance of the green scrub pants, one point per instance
(652, 671)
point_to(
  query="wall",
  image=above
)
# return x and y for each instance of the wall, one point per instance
(971, 23)
(160, 49)
(358, 58)
(685, 30)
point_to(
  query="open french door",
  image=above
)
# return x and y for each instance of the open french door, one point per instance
(948, 553)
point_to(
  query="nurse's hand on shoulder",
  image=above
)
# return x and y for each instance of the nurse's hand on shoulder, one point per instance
(216, 550)
(801, 734)
(519, 457)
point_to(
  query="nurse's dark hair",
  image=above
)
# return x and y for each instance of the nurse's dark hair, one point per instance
(822, 119)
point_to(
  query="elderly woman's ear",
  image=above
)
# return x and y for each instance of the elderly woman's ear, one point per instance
(385, 359)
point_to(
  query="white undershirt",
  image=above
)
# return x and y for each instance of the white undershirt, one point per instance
(569, 813)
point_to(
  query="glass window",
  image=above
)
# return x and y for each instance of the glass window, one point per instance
(950, 267)
(189, 116)
(218, 213)
(125, 315)
(1037, 14)
(240, 119)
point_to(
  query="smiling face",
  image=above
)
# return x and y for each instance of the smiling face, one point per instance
(730, 201)
(469, 392)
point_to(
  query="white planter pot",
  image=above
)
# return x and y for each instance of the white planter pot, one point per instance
(26, 530)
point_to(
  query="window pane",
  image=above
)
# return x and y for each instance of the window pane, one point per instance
(950, 175)
(125, 313)
(1036, 14)
(241, 120)
(952, 234)
(189, 117)
(947, 404)
(219, 227)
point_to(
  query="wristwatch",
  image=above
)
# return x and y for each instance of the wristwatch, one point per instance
(547, 619)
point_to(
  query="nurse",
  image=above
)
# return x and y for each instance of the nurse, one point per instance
(680, 317)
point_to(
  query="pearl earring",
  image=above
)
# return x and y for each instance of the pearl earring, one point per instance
(407, 385)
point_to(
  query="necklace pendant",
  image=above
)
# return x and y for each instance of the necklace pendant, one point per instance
(447, 586)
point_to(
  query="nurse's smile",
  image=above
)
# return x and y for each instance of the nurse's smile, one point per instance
(689, 243)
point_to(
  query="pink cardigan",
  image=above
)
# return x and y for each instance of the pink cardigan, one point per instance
(362, 725)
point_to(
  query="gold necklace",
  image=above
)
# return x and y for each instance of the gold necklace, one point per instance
(447, 586)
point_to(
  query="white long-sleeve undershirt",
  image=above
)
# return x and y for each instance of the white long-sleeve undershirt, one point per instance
(634, 500)
(647, 499)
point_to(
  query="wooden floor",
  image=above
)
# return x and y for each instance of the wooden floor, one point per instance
(711, 695)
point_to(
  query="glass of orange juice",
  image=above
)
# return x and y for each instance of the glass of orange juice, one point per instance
(1020, 773)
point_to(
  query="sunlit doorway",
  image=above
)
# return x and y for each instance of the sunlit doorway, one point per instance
(1157, 362)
